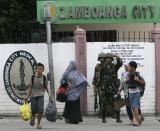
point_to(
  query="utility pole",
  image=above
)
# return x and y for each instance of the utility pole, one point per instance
(47, 15)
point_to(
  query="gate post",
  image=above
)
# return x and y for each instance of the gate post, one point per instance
(156, 39)
(81, 59)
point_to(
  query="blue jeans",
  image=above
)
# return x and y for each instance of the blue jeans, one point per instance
(135, 99)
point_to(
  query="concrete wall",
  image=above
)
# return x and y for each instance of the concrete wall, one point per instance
(62, 54)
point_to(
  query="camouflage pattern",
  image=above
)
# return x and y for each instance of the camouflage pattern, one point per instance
(109, 85)
(96, 81)
(109, 55)
(101, 55)
(96, 78)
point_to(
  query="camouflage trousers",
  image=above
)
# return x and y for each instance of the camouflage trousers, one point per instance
(107, 104)
(100, 100)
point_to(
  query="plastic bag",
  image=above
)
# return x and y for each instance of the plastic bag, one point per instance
(51, 112)
(25, 112)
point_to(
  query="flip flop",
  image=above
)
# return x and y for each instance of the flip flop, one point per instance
(32, 122)
(39, 127)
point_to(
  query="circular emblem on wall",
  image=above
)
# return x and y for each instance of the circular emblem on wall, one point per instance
(17, 74)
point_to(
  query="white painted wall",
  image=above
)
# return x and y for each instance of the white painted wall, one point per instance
(62, 54)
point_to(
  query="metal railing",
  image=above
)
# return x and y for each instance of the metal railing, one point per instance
(134, 36)
(67, 36)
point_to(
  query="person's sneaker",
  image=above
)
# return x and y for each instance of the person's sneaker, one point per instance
(119, 121)
(32, 122)
(39, 127)
(104, 121)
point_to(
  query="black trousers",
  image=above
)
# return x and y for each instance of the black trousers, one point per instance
(129, 108)
(72, 111)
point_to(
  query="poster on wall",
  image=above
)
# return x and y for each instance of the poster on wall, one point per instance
(127, 51)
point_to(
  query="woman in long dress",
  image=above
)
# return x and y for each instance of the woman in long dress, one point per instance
(77, 84)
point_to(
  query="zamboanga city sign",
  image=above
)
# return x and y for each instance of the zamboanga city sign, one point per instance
(100, 11)
(17, 73)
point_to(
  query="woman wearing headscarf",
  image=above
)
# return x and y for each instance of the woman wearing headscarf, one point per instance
(77, 84)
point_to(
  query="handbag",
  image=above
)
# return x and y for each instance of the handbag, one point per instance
(61, 94)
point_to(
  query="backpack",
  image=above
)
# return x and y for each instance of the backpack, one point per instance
(44, 80)
(51, 112)
(61, 93)
(133, 84)
(142, 87)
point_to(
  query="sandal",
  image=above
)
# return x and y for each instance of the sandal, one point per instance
(142, 118)
(32, 122)
(39, 127)
(136, 124)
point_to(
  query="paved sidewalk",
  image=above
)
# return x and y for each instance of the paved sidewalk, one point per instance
(89, 124)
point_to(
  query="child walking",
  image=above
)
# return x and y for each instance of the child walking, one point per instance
(35, 93)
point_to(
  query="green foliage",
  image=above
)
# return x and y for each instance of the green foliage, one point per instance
(16, 16)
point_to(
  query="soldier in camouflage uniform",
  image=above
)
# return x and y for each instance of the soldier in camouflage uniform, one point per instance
(109, 84)
(96, 79)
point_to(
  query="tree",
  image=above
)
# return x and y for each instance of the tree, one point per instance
(16, 16)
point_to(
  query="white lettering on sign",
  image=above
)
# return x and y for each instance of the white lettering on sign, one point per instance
(127, 51)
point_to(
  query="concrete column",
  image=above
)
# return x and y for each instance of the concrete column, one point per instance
(156, 39)
(81, 59)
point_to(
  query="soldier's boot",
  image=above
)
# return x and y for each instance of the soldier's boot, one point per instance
(100, 112)
(104, 117)
(114, 115)
(118, 117)
(104, 121)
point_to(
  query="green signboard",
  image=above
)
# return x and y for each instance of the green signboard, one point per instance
(100, 11)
